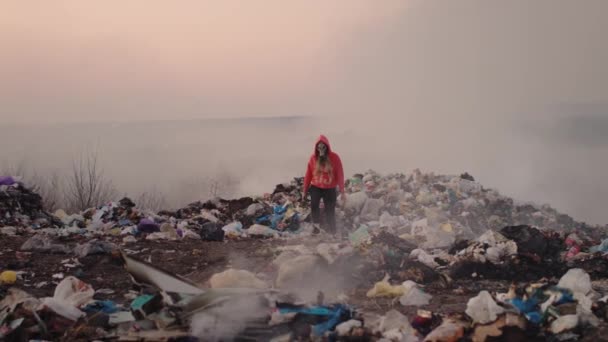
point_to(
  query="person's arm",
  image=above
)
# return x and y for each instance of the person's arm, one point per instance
(339, 174)
(307, 177)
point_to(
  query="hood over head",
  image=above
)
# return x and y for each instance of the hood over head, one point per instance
(324, 140)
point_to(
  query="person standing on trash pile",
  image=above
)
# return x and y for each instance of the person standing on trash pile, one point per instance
(324, 175)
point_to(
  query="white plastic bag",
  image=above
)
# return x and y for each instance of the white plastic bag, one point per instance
(234, 229)
(232, 278)
(260, 230)
(483, 309)
(576, 280)
(70, 295)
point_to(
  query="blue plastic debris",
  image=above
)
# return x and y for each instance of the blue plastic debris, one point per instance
(275, 219)
(140, 301)
(531, 307)
(334, 316)
(330, 324)
(125, 223)
(105, 306)
(602, 247)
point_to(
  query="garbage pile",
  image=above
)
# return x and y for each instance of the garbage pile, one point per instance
(240, 305)
(21, 207)
(272, 215)
(431, 211)
(520, 271)
(419, 204)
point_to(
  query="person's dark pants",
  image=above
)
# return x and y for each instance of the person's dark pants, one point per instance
(329, 197)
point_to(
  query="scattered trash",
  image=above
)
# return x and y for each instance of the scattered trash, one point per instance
(70, 295)
(449, 330)
(121, 317)
(511, 322)
(129, 239)
(142, 272)
(576, 280)
(105, 291)
(384, 289)
(212, 231)
(345, 328)
(105, 306)
(148, 226)
(42, 243)
(483, 309)
(94, 247)
(258, 230)
(413, 295)
(359, 236)
(564, 323)
(8, 277)
(232, 278)
(234, 229)
(426, 234)
(602, 247)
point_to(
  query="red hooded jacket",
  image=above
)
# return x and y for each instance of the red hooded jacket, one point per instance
(329, 177)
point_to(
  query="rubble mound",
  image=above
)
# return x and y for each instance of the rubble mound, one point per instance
(20, 206)
(422, 257)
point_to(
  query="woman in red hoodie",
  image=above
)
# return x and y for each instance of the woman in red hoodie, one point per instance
(323, 175)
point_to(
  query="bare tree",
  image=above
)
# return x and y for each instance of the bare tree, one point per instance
(151, 200)
(223, 184)
(86, 186)
(19, 169)
(49, 188)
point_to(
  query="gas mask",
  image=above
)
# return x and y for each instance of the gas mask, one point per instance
(322, 149)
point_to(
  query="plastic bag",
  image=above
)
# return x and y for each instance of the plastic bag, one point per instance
(8, 277)
(483, 309)
(70, 294)
(236, 279)
(263, 231)
(413, 295)
(371, 209)
(148, 226)
(602, 247)
(576, 280)
(44, 244)
(356, 201)
(94, 247)
(389, 221)
(449, 330)
(211, 232)
(385, 289)
(359, 236)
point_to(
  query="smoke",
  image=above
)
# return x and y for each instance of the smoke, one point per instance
(227, 320)
(499, 90)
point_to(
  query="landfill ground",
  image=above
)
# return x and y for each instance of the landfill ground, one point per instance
(198, 261)
(420, 257)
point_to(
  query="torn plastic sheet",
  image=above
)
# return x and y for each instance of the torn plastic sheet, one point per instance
(142, 272)
(193, 299)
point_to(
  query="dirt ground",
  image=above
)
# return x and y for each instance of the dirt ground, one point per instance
(198, 261)
(193, 259)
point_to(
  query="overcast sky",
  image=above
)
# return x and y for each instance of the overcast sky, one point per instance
(515, 91)
(139, 59)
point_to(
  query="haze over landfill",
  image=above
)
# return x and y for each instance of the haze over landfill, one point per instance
(515, 93)
(303, 170)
